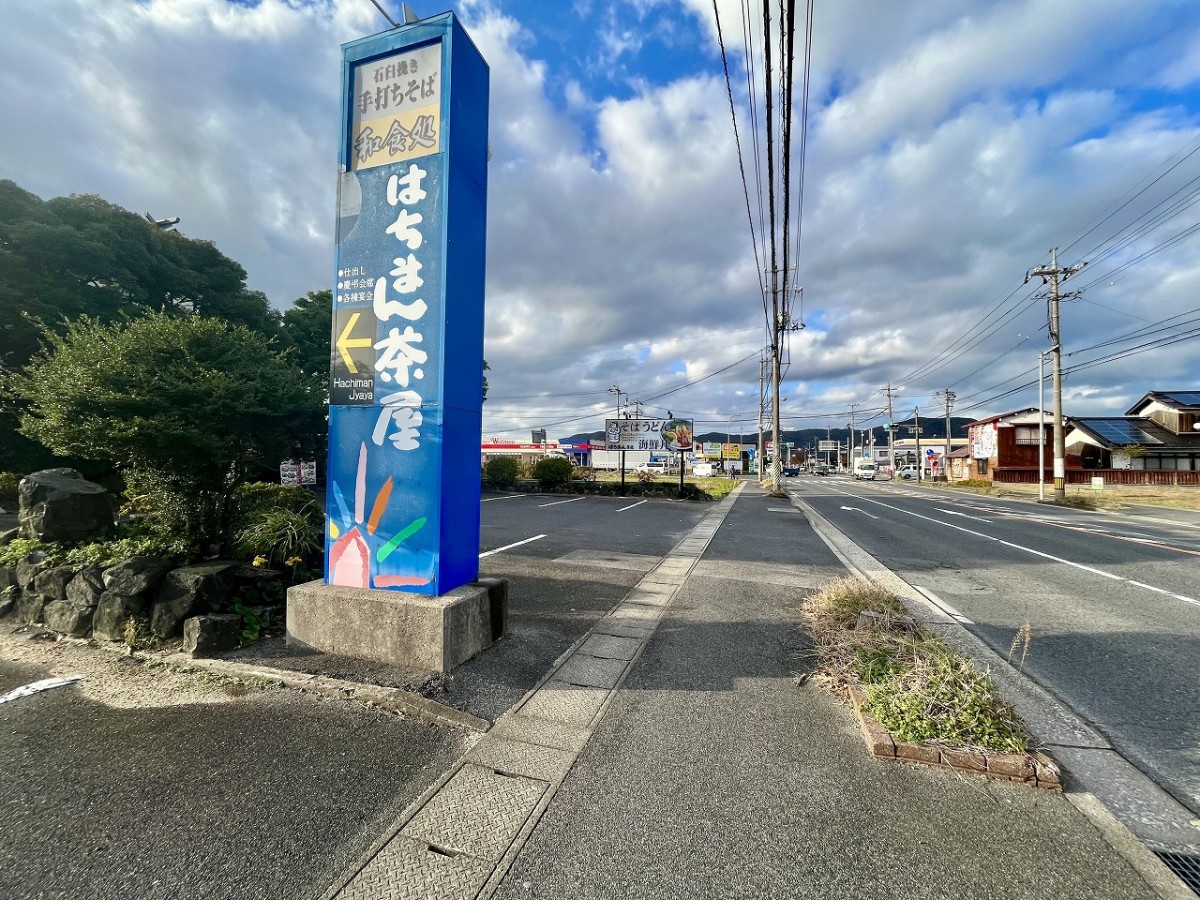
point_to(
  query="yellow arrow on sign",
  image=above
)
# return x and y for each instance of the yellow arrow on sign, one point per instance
(345, 342)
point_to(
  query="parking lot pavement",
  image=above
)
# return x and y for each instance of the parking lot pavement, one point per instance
(148, 784)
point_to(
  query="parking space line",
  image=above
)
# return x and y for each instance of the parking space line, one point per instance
(557, 502)
(639, 503)
(510, 546)
(509, 497)
(36, 687)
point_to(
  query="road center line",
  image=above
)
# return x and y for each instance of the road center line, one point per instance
(510, 546)
(639, 503)
(557, 502)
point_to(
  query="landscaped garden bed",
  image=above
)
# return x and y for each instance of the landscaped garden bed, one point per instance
(918, 700)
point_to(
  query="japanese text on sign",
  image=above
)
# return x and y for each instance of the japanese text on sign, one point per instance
(397, 108)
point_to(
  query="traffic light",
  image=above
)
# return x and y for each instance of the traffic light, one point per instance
(887, 426)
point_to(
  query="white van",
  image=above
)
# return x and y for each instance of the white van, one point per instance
(703, 470)
(865, 468)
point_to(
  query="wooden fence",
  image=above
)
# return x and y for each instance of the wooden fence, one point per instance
(1166, 477)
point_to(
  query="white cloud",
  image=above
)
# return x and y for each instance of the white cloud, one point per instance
(950, 145)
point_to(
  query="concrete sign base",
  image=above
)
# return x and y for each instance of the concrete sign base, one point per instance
(435, 633)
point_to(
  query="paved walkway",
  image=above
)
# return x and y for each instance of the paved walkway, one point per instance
(674, 753)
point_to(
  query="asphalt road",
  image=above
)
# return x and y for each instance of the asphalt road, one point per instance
(1112, 602)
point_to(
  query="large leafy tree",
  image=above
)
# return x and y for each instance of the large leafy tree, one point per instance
(187, 406)
(81, 255)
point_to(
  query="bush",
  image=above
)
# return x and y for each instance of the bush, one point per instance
(9, 482)
(917, 685)
(553, 472)
(279, 535)
(502, 471)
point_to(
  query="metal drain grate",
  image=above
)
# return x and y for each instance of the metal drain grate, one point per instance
(1186, 866)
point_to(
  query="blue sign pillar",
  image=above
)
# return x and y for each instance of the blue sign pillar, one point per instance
(406, 363)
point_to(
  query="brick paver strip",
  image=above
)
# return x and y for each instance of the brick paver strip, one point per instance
(1035, 769)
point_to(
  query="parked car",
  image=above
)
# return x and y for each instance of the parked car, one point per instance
(654, 468)
(906, 472)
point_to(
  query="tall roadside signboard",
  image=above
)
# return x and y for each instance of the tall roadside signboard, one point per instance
(406, 362)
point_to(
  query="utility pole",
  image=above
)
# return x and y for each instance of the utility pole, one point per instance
(950, 397)
(616, 390)
(891, 430)
(762, 402)
(917, 431)
(850, 453)
(1053, 274)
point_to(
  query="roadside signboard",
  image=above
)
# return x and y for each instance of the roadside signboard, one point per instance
(667, 435)
(406, 355)
(830, 446)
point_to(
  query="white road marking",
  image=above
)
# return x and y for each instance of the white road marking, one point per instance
(783, 509)
(856, 509)
(35, 687)
(509, 497)
(557, 502)
(943, 606)
(639, 503)
(1158, 590)
(510, 546)
(951, 512)
(1048, 556)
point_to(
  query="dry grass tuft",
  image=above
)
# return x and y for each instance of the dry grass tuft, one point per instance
(918, 686)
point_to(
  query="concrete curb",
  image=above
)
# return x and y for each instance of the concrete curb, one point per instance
(393, 699)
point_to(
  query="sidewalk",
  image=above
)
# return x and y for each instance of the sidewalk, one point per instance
(674, 754)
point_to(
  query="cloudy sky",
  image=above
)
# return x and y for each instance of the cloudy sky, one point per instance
(950, 145)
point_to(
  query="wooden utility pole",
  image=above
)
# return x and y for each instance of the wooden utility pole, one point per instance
(1053, 274)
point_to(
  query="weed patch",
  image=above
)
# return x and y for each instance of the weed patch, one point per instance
(918, 687)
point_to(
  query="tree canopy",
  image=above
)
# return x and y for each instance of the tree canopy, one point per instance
(81, 255)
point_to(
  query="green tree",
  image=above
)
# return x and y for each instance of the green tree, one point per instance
(81, 255)
(306, 332)
(187, 406)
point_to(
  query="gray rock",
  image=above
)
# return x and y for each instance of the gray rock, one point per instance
(8, 580)
(60, 505)
(30, 607)
(212, 635)
(136, 575)
(7, 537)
(187, 591)
(53, 582)
(86, 587)
(68, 617)
(8, 603)
(28, 567)
(113, 611)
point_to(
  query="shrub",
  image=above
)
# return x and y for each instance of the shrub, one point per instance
(553, 472)
(583, 473)
(16, 550)
(251, 501)
(502, 471)
(9, 482)
(279, 534)
(108, 553)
